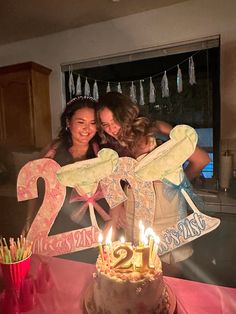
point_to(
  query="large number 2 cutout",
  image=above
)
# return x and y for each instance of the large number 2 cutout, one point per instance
(54, 197)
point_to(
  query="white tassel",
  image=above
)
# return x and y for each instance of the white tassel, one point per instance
(151, 92)
(71, 84)
(191, 70)
(78, 86)
(141, 99)
(133, 92)
(164, 86)
(108, 87)
(119, 88)
(179, 80)
(87, 88)
(95, 91)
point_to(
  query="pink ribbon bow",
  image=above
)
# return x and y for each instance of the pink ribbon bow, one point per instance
(78, 213)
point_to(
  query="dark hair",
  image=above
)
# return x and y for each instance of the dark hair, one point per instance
(64, 138)
(126, 113)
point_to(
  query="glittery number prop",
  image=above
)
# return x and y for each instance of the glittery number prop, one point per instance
(53, 200)
(122, 258)
(143, 192)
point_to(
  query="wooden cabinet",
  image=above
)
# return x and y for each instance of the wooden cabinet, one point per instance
(25, 118)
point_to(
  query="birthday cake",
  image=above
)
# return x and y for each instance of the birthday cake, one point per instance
(131, 283)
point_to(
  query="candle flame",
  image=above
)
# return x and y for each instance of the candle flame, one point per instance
(100, 237)
(149, 232)
(122, 239)
(109, 236)
(141, 230)
(145, 240)
(157, 239)
(141, 226)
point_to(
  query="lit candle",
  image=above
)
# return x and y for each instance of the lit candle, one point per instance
(144, 262)
(109, 239)
(155, 248)
(141, 233)
(149, 233)
(122, 240)
(109, 247)
(100, 238)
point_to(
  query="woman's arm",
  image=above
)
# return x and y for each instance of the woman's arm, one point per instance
(197, 161)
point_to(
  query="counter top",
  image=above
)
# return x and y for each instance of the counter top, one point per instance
(218, 201)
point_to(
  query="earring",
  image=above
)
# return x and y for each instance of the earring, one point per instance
(67, 129)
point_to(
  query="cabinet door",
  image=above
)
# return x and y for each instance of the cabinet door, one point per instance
(16, 110)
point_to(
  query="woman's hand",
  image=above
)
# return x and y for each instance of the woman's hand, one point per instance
(118, 220)
(119, 216)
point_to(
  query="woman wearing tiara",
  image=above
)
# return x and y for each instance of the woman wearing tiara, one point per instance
(124, 130)
(77, 140)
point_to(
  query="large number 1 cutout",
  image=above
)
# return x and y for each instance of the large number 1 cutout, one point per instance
(54, 197)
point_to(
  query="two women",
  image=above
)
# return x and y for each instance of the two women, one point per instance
(122, 129)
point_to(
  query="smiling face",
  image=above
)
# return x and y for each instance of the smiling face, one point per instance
(82, 125)
(108, 123)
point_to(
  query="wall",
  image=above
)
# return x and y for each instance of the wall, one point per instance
(180, 22)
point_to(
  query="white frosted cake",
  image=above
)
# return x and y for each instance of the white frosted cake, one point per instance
(129, 287)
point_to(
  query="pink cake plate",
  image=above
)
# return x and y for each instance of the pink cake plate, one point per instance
(89, 307)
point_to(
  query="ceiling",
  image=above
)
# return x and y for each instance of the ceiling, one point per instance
(27, 19)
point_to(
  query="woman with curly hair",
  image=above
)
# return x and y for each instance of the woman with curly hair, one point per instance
(123, 129)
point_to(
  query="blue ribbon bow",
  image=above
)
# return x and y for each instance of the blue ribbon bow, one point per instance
(170, 190)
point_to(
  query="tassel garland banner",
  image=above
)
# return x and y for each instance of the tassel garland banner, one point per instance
(139, 84)
(78, 86)
(141, 99)
(192, 78)
(164, 86)
(179, 80)
(133, 92)
(151, 92)
(119, 88)
(87, 88)
(71, 84)
(108, 87)
(95, 91)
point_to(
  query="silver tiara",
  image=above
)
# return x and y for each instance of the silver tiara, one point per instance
(81, 98)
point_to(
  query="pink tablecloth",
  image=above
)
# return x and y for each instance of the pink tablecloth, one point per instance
(69, 281)
(200, 298)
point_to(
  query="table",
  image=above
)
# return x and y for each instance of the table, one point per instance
(68, 281)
